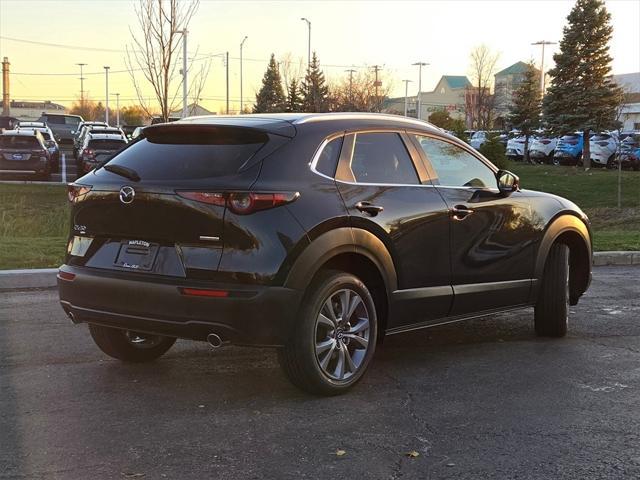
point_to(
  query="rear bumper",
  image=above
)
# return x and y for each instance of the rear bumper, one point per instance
(250, 315)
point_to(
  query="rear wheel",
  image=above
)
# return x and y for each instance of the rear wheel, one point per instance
(130, 346)
(552, 308)
(335, 337)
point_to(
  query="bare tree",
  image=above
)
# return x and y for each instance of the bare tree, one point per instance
(356, 92)
(155, 49)
(479, 99)
(291, 68)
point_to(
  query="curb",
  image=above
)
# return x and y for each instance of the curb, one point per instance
(30, 278)
(616, 258)
(46, 277)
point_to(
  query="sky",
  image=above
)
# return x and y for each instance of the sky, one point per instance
(345, 34)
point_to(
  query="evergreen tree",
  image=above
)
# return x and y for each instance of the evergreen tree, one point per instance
(582, 95)
(294, 97)
(270, 98)
(526, 107)
(315, 93)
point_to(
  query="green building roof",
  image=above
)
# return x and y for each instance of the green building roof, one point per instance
(457, 81)
(518, 67)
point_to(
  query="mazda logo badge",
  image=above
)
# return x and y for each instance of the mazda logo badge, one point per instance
(126, 194)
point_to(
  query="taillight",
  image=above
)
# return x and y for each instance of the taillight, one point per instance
(545, 142)
(76, 192)
(87, 152)
(243, 203)
(38, 152)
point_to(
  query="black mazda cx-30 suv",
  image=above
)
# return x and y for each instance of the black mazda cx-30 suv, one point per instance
(316, 234)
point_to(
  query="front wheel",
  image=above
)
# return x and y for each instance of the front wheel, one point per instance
(130, 346)
(552, 308)
(335, 337)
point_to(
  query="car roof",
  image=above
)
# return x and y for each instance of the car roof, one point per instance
(288, 123)
(27, 132)
(105, 136)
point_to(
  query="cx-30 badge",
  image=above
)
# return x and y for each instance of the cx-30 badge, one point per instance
(126, 194)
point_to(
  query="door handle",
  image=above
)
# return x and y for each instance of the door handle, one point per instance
(367, 207)
(460, 212)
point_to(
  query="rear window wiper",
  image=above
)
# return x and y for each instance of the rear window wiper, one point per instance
(126, 172)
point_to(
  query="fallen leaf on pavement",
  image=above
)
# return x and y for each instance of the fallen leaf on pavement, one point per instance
(340, 453)
(412, 454)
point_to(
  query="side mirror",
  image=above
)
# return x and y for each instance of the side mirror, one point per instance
(507, 182)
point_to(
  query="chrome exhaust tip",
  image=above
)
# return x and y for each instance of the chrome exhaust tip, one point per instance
(214, 340)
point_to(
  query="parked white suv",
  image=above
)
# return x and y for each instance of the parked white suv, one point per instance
(515, 145)
(542, 148)
(603, 148)
(477, 139)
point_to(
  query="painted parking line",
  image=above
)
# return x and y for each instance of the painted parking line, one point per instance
(63, 167)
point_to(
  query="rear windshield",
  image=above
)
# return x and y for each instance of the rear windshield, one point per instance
(104, 144)
(45, 135)
(600, 136)
(18, 141)
(571, 137)
(62, 120)
(181, 155)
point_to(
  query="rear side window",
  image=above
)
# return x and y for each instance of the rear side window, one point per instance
(185, 153)
(18, 141)
(56, 120)
(382, 158)
(328, 159)
(104, 144)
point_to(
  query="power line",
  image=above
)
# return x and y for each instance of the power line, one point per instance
(58, 45)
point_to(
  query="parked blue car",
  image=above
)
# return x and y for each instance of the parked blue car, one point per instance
(568, 149)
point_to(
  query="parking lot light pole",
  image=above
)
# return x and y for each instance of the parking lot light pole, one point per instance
(106, 95)
(241, 98)
(81, 65)
(308, 43)
(420, 65)
(406, 97)
(542, 79)
(184, 71)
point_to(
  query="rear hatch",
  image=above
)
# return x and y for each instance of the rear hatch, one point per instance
(103, 149)
(158, 206)
(19, 152)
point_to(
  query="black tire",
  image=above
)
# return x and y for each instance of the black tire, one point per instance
(552, 308)
(118, 344)
(300, 359)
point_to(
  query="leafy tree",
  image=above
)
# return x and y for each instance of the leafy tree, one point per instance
(526, 106)
(133, 115)
(494, 151)
(270, 98)
(441, 119)
(582, 95)
(294, 97)
(314, 88)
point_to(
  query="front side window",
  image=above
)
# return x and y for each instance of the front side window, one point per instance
(382, 158)
(454, 166)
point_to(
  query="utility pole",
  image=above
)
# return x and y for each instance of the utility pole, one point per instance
(406, 97)
(351, 71)
(309, 43)
(420, 65)
(81, 65)
(241, 98)
(377, 84)
(117, 109)
(5, 87)
(184, 72)
(106, 96)
(227, 62)
(542, 76)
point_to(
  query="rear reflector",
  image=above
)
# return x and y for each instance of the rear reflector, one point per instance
(66, 275)
(200, 292)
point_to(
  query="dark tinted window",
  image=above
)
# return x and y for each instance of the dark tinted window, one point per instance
(104, 144)
(179, 156)
(56, 120)
(328, 159)
(455, 166)
(600, 136)
(18, 141)
(382, 158)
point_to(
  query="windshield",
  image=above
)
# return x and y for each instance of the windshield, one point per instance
(19, 141)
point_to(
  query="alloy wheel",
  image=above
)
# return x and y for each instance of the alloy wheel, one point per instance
(342, 334)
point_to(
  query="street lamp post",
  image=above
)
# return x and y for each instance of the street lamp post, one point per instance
(241, 98)
(106, 95)
(542, 79)
(184, 71)
(309, 43)
(420, 65)
(81, 65)
(406, 97)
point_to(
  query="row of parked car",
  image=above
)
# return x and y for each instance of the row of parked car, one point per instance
(32, 148)
(607, 149)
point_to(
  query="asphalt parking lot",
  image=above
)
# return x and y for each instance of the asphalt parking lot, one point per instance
(482, 399)
(67, 171)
